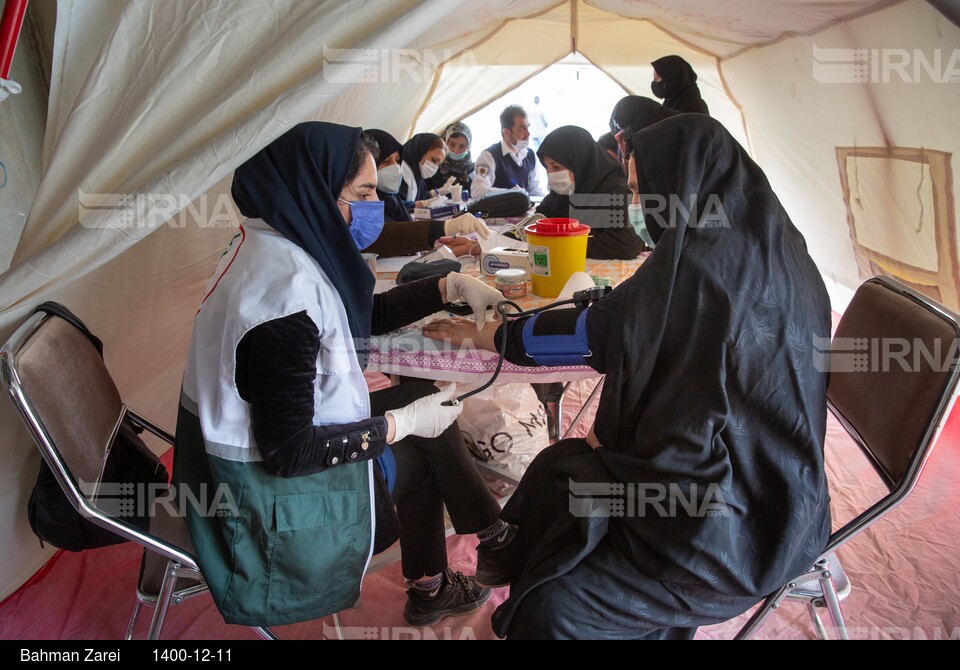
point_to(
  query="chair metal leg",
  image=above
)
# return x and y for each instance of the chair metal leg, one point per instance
(583, 410)
(163, 600)
(337, 626)
(131, 626)
(832, 601)
(817, 622)
(763, 612)
(265, 633)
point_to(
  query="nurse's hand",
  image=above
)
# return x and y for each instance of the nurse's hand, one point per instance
(475, 293)
(466, 224)
(445, 189)
(460, 332)
(461, 246)
(426, 417)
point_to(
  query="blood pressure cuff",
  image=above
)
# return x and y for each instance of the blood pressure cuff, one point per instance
(557, 337)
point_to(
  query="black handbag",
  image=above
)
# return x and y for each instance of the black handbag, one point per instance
(132, 477)
(501, 205)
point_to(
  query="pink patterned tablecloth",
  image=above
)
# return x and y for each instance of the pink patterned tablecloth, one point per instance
(407, 352)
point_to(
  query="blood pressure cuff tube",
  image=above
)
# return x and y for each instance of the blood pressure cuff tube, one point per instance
(557, 337)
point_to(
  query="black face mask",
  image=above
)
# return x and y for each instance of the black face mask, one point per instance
(659, 88)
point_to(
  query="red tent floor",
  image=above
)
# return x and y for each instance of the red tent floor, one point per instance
(905, 573)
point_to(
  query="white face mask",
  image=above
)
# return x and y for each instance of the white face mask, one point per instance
(389, 178)
(560, 182)
(519, 146)
(428, 169)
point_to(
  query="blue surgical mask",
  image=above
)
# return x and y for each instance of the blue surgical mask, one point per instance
(639, 223)
(366, 221)
(458, 157)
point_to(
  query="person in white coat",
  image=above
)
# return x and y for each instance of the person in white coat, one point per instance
(509, 163)
(275, 413)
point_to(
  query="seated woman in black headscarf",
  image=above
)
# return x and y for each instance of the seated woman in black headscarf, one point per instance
(701, 487)
(587, 185)
(608, 143)
(632, 114)
(401, 235)
(420, 159)
(275, 409)
(389, 176)
(675, 82)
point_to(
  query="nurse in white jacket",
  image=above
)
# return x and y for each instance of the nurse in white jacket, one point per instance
(275, 416)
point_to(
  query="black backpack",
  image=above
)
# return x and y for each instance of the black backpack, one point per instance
(501, 205)
(132, 477)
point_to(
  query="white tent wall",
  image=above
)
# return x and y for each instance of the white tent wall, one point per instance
(796, 124)
(90, 22)
(516, 51)
(622, 48)
(400, 83)
(724, 28)
(21, 147)
(181, 93)
(625, 49)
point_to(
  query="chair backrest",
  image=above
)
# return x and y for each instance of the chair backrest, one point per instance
(65, 395)
(893, 378)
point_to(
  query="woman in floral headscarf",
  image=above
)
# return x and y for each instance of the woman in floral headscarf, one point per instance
(458, 163)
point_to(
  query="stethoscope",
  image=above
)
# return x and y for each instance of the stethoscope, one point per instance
(581, 299)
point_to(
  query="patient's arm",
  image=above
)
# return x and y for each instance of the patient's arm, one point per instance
(555, 339)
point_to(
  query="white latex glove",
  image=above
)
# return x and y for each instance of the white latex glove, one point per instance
(473, 292)
(464, 225)
(430, 202)
(426, 417)
(445, 189)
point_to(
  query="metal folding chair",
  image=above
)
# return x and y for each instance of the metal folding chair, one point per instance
(68, 402)
(894, 375)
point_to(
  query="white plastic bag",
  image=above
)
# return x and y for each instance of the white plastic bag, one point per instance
(505, 424)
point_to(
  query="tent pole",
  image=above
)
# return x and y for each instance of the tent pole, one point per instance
(10, 24)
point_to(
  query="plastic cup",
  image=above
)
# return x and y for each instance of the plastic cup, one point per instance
(456, 193)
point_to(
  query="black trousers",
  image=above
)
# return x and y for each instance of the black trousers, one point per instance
(604, 595)
(431, 473)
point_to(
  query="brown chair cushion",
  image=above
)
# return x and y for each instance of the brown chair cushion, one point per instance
(67, 383)
(888, 398)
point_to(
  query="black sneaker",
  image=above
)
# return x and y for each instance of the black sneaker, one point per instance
(497, 566)
(458, 595)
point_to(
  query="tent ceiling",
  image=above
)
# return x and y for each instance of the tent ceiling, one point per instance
(718, 28)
